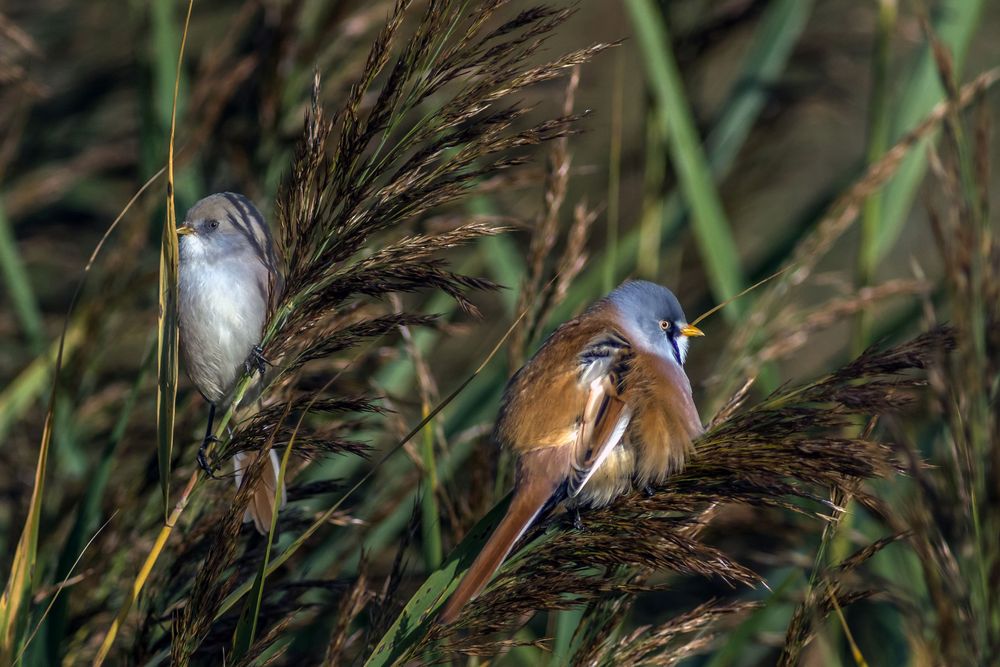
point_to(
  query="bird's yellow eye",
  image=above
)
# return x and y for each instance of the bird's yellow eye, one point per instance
(665, 325)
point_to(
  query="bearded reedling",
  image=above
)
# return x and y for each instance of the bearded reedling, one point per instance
(605, 404)
(228, 281)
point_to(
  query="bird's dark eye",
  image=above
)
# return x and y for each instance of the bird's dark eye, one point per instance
(213, 224)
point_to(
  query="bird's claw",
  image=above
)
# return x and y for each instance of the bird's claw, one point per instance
(256, 361)
(203, 456)
(648, 491)
(577, 520)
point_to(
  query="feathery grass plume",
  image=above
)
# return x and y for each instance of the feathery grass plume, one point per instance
(211, 585)
(668, 643)
(952, 511)
(350, 607)
(355, 184)
(548, 278)
(827, 595)
(790, 446)
(743, 346)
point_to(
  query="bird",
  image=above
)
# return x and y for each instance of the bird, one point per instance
(229, 279)
(604, 406)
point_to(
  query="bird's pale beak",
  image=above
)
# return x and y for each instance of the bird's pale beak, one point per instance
(691, 330)
(184, 230)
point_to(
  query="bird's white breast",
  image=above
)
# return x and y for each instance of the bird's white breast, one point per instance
(222, 311)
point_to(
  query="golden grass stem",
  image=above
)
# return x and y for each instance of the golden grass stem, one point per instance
(859, 658)
(166, 356)
(166, 361)
(147, 568)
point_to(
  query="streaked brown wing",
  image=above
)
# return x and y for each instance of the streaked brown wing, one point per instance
(606, 415)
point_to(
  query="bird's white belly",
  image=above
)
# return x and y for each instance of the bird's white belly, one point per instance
(221, 317)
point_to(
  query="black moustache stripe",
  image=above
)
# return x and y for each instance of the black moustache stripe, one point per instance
(243, 223)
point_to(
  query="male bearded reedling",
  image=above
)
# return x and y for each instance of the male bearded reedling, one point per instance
(228, 281)
(604, 404)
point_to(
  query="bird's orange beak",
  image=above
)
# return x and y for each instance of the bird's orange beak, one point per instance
(691, 330)
(184, 230)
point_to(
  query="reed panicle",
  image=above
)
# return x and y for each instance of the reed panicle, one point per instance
(357, 184)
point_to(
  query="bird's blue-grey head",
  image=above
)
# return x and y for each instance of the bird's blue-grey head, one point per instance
(653, 315)
(225, 225)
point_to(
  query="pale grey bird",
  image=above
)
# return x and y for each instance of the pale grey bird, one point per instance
(229, 279)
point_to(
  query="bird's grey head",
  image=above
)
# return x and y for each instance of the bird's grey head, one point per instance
(652, 313)
(223, 225)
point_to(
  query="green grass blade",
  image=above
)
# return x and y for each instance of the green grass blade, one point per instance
(166, 356)
(20, 580)
(878, 142)
(567, 622)
(246, 628)
(18, 396)
(430, 523)
(418, 614)
(16, 596)
(955, 23)
(711, 229)
(767, 57)
(614, 177)
(19, 287)
(779, 30)
(88, 515)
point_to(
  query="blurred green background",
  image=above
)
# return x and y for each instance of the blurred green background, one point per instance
(788, 99)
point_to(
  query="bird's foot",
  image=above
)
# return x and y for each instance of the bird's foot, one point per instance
(577, 520)
(648, 491)
(256, 361)
(203, 456)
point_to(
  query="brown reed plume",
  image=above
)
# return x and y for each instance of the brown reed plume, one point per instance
(358, 185)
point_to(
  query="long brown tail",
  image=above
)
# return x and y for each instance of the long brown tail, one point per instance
(529, 500)
(261, 507)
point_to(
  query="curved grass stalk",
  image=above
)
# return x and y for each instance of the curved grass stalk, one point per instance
(166, 386)
(19, 580)
(166, 355)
